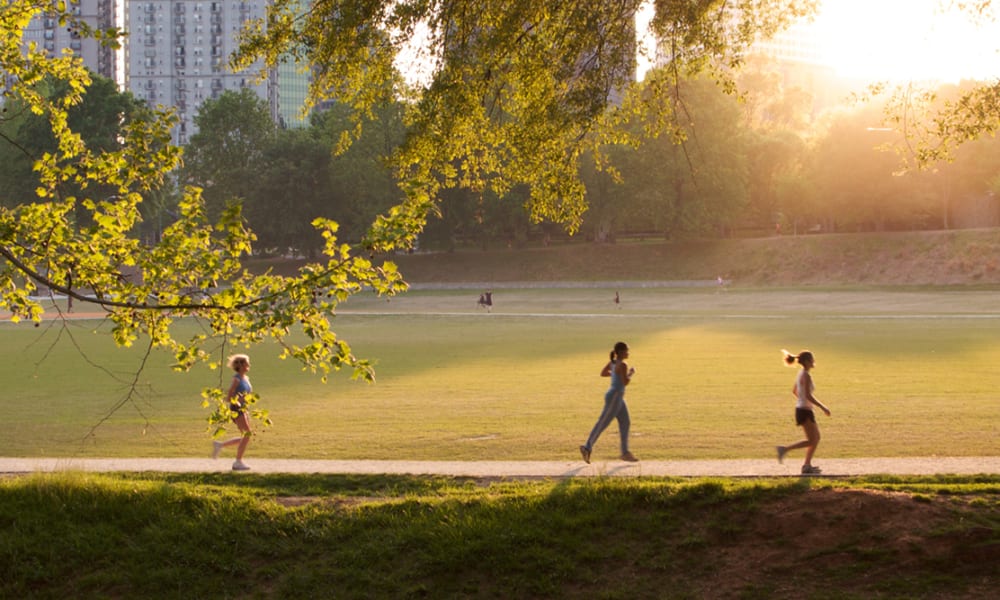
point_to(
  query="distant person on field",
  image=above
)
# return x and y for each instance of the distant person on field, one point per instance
(240, 363)
(804, 415)
(618, 300)
(614, 403)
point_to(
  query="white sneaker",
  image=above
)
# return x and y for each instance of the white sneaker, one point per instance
(239, 466)
(216, 448)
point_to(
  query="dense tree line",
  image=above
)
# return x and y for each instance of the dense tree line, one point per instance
(757, 163)
(761, 163)
(285, 179)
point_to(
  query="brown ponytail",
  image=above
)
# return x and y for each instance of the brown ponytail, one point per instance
(790, 358)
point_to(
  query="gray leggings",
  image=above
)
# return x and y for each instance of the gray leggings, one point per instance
(614, 408)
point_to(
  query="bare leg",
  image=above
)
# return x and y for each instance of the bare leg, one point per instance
(812, 432)
(243, 422)
(811, 441)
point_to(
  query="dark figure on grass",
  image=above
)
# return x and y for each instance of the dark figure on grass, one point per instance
(240, 363)
(486, 300)
(614, 403)
(804, 415)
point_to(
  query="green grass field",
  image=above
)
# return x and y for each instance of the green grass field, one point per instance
(905, 372)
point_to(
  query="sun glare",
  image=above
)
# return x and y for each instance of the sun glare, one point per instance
(894, 40)
(912, 40)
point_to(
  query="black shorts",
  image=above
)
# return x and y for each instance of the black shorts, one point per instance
(236, 410)
(804, 415)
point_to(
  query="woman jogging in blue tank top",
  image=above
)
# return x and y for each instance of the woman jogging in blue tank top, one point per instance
(614, 403)
(238, 390)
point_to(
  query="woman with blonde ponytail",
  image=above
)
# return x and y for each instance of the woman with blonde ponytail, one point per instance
(804, 415)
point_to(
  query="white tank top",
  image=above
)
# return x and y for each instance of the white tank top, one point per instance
(803, 393)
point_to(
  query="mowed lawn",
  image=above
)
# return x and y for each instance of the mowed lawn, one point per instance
(905, 372)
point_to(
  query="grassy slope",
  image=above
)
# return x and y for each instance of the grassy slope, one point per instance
(213, 536)
(918, 258)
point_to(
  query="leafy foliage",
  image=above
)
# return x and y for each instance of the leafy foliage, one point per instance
(671, 188)
(228, 149)
(517, 92)
(74, 234)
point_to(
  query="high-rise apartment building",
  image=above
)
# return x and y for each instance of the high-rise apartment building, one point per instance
(49, 35)
(177, 53)
(293, 87)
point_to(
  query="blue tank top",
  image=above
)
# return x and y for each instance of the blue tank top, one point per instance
(616, 380)
(243, 386)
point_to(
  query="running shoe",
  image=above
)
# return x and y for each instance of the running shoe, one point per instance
(240, 466)
(629, 457)
(811, 470)
(216, 448)
(585, 453)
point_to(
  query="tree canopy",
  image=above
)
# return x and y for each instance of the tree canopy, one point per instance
(74, 234)
(518, 91)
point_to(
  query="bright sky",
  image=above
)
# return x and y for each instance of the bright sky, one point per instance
(908, 40)
(899, 40)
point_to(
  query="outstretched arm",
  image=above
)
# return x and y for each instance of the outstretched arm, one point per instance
(810, 397)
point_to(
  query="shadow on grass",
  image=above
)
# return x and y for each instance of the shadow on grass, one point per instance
(188, 536)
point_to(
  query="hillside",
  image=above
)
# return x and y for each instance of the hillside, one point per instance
(964, 257)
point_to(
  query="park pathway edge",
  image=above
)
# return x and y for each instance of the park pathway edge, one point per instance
(845, 467)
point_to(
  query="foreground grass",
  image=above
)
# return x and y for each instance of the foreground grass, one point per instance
(905, 373)
(187, 536)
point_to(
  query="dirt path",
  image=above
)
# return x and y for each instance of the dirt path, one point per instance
(694, 468)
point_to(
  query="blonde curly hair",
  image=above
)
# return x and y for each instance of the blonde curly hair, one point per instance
(237, 359)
